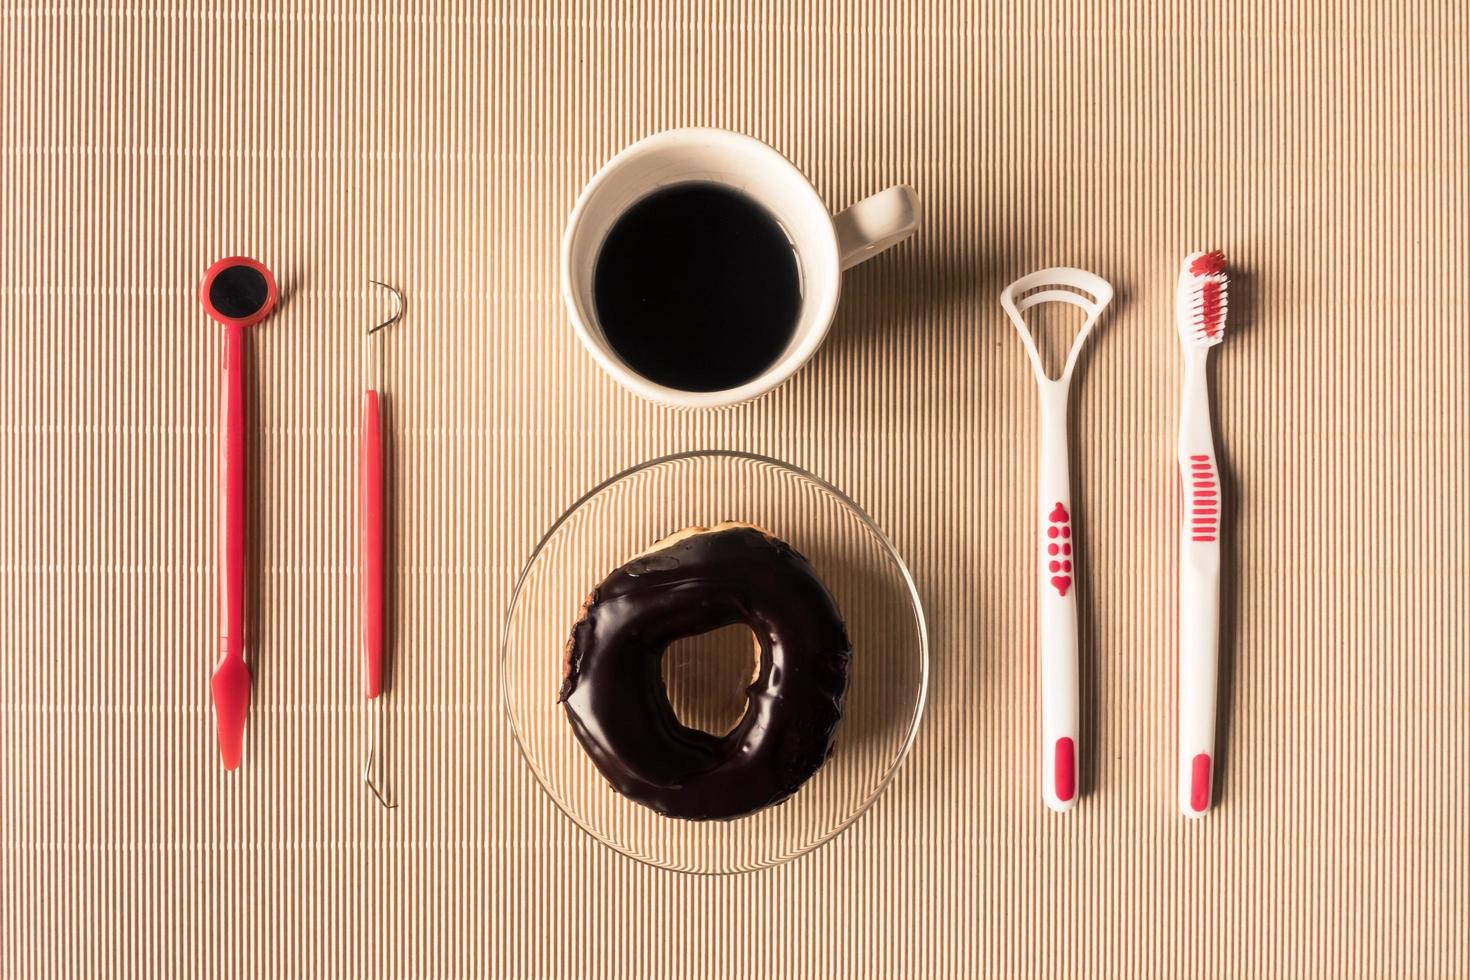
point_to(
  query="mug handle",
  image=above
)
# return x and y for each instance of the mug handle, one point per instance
(876, 223)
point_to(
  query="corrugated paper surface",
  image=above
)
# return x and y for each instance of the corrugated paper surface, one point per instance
(440, 148)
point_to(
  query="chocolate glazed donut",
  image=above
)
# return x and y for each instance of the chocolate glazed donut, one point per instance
(690, 583)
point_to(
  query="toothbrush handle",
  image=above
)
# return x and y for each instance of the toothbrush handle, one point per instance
(1056, 584)
(1199, 594)
(231, 682)
(370, 543)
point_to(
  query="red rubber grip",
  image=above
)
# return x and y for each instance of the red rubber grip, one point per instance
(231, 682)
(370, 543)
(1199, 783)
(1066, 769)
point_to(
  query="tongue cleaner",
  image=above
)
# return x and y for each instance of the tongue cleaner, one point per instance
(1056, 577)
(238, 292)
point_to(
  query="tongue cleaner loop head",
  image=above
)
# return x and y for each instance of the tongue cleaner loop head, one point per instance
(1061, 284)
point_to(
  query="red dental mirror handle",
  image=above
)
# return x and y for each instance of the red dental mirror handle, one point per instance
(238, 292)
(231, 682)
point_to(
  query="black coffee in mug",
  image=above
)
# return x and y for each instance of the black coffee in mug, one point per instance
(697, 288)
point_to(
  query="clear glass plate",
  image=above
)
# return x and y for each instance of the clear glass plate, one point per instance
(706, 676)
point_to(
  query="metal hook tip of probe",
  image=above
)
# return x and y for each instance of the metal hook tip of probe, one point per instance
(397, 312)
(373, 757)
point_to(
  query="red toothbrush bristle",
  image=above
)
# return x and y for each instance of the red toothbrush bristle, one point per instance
(1208, 264)
(1211, 312)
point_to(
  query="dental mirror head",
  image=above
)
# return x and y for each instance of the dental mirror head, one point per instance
(238, 291)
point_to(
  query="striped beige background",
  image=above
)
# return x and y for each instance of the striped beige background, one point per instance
(440, 147)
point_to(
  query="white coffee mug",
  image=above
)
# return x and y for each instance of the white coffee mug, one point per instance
(824, 244)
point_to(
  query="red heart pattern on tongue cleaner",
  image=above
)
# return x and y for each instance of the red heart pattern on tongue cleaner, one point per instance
(1059, 530)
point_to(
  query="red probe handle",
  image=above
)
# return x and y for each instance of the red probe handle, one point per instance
(231, 682)
(370, 543)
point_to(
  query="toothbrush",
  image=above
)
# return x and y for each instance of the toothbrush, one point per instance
(1200, 313)
(1056, 578)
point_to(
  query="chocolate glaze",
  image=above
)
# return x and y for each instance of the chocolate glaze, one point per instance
(614, 693)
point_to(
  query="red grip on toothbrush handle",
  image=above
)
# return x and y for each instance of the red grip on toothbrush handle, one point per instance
(370, 543)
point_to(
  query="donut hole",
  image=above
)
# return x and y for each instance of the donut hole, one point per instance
(707, 677)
